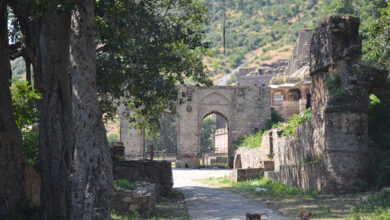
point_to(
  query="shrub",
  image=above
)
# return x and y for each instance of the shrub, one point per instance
(23, 97)
(293, 122)
(377, 205)
(113, 138)
(125, 184)
(30, 147)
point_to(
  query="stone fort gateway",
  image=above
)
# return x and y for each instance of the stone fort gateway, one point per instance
(246, 109)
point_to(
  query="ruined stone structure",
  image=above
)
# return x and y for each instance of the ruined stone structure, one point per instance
(262, 75)
(246, 110)
(290, 92)
(329, 152)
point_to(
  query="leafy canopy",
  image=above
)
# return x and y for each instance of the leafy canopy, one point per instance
(23, 97)
(377, 47)
(145, 49)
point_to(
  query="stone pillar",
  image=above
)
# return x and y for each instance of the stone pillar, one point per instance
(340, 119)
(272, 98)
(188, 133)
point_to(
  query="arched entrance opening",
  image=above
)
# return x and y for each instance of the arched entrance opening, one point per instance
(163, 142)
(214, 140)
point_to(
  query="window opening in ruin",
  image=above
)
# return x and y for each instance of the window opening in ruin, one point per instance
(294, 95)
(164, 141)
(214, 140)
(278, 99)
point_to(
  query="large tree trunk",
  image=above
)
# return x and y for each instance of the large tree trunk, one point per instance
(92, 171)
(56, 127)
(11, 158)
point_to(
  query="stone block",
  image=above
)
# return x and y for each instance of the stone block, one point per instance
(237, 162)
(158, 172)
(269, 165)
(246, 174)
(272, 175)
(142, 199)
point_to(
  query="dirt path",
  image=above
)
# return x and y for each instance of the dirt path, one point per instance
(204, 202)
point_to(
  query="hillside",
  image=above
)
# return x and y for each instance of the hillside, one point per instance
(263, 31)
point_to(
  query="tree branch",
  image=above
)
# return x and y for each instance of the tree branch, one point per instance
(15, 50)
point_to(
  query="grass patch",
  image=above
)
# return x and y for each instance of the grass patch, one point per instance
(271, 188)
(376, 207)
(288, 200)
(125, 184)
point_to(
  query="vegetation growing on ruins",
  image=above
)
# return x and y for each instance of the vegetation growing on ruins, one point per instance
(288, 128)
(125, 184)
(295, 120)
(254, 141)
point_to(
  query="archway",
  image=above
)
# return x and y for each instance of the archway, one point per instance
(214, 140)
(162, 143)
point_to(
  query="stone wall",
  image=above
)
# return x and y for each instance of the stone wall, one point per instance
(328, 153)
(262, 75)
(158, 172)
(142, 199)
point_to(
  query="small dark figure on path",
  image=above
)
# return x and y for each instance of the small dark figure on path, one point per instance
(304, 215)
(256, 216)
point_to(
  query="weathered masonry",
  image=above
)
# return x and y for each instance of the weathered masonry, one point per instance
(246, 110)
(330, 152)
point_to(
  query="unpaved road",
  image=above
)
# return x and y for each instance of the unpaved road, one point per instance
(204, 202)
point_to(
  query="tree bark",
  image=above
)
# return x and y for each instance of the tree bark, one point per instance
(56, 124)
(92, 171)
(28, 69)
(11, 158)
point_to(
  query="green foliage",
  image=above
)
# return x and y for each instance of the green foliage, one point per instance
(207, 142)
(254, 141)
(147, 49)
(251, 141)
(342, 7)
(233, 79)
(334, 85)
(23, 97)
(275, 119)
(253, 24)
(113, 138)
(125, 184)
(293, 122)
(376, 207)
(377, 47)
(30, 147)
(379, 136)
